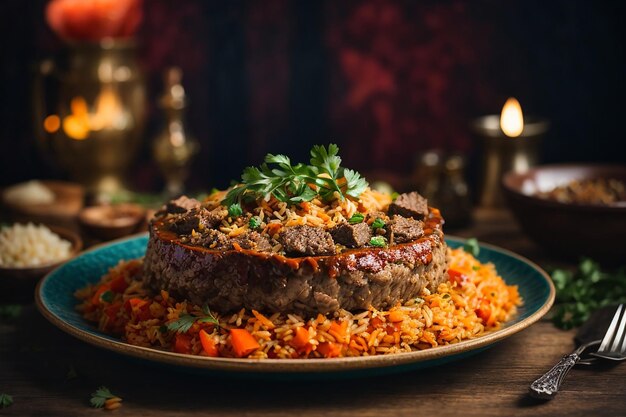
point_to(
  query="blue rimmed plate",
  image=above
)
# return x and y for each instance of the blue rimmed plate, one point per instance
(55, 299)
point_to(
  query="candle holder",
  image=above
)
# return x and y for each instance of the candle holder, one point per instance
(501, 154)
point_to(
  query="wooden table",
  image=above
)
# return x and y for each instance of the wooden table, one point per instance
(36, 357)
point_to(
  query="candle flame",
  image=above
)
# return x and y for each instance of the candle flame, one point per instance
(512, 119)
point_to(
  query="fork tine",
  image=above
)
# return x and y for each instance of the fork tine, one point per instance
(608, 337)
(620, 332)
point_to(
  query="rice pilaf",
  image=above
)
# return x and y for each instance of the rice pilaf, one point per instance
(474, 300)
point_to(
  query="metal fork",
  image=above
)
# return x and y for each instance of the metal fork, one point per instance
(547, 386)
(613, 344)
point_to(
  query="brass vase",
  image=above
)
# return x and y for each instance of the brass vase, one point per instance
(89, 110)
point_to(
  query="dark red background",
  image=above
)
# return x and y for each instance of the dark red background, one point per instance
(382, 78)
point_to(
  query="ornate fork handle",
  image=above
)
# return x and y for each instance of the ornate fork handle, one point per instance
(547, 386)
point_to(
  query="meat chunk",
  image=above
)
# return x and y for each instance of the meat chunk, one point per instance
(254, 240)
(409, 205)
(183, 224)
(181, 205)
(307, 240)
(401, 229)
(214, 217)
(351, 235)
(212, 239)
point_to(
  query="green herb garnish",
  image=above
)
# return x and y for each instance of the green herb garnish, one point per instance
(107, 296)
(5, 400)
(183, 324)
(394, 195)
(100, 396)
(185, 321)
(580, 293)
(254, 222)
(297, 183)
(234, 210)
(378, 224)
(356, 218)
(378, 241)
(208, 316)
(10, 311)
(476, 267)
(471, 246)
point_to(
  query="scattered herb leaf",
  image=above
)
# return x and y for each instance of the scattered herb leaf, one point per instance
(378, 224)
(394, 195)
(185, 321)
(471, 246)
(356, 218)
(10, 311)
(5, 400)
(378, 241)
(183, 324)
(208, 316)
(107, 296)
(254, 222)
(297, 183)
(100, 396)
(234, 210)
(581, 292)
(476, 267)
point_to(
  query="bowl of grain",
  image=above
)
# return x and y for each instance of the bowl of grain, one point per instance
(28, 252)
(572, 210)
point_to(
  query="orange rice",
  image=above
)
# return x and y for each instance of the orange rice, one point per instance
(473, 301)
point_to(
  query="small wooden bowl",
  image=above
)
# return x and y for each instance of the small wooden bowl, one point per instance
(571, 230)
(18, 283)
(108, 222)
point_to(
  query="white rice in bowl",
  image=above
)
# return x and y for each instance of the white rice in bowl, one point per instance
(27, 245)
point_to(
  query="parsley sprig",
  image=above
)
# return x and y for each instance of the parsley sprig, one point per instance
(298, 183)
(580, 293)
(185, 321)
(99, 397)
(5, 400)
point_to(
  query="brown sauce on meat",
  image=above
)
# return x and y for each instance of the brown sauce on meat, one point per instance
(367, 259)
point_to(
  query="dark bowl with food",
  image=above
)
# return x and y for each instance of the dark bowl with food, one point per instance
(572, 210)
(108, 222)
(17, 283)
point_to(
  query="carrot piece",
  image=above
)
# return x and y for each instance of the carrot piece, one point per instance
(329, 349)
(263, 320)
(301, 338)
(111, 311)
(243, 342)
(119, 284)
(208, 344)
(140, 307)
(273, 228)
(338, 330)
(182, 343)
(101, 290)
(456, 276)
(396, 316)
(484, 311)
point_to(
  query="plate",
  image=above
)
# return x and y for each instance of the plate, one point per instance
(55, 300)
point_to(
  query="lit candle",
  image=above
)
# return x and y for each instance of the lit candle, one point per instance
(509, 143)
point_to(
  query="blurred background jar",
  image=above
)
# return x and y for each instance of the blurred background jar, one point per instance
(173, 148)
(90, 100)
(440, 177)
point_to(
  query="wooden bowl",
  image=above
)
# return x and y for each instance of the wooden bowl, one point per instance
(568, 229)
(108, 222)
(18, 283)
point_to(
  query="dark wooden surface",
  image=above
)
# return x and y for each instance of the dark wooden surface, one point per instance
(35, 359)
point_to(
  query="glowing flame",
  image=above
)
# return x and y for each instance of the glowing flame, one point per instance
(512, 119)
(109, 113)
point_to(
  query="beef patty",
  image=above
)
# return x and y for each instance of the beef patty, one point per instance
(354, 279)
